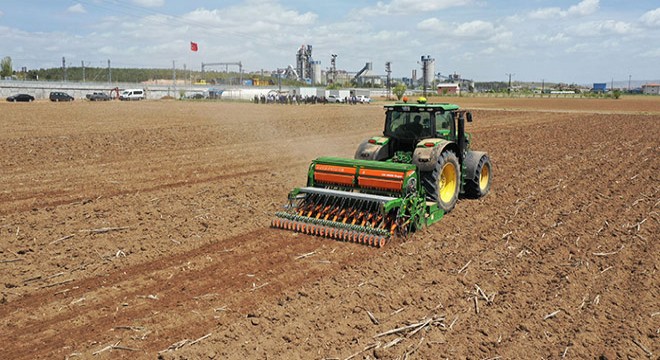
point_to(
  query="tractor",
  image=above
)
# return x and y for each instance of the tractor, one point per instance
(398, 182)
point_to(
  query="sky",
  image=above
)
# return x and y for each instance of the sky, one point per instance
(570, 41)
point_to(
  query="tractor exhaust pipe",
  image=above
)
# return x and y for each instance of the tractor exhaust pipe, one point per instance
(462, 145)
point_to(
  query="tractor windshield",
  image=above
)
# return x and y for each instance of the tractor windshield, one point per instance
(408, 124)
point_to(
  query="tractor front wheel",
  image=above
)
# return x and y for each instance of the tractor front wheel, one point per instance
(442, 185)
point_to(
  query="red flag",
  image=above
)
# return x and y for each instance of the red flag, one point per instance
(193, 46)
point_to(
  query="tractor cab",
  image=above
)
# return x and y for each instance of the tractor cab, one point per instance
(407, 124)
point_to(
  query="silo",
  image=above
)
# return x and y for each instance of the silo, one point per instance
(428, 71)
(317, 77)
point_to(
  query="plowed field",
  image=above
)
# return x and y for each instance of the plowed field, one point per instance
(141, 230)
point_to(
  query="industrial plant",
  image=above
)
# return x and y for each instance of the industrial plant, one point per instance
(307, 75)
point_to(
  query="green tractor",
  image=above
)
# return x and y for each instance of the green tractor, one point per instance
(401, 181)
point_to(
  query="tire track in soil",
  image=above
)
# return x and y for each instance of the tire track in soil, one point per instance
(273, 258)
(171, 185)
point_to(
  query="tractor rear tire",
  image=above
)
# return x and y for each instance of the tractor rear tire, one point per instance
(478, 174)
(442, 185)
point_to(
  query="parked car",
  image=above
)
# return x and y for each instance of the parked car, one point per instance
(132, 94)
(363, 99)
(21, 97)
(335, 99)
(196, 96)
(98, 96)
(60, 96)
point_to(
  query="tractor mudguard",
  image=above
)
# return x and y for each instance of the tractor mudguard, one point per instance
(375, 148)
(425, 157)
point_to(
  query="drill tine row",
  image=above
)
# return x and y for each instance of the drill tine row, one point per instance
(342, 218)
(331, 232)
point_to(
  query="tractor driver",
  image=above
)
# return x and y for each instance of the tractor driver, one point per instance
(416, 125)
(414, 128)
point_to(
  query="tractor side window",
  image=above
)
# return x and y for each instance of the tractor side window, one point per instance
(444, 124)
(442, 120)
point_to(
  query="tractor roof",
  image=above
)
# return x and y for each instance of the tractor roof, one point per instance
(417, 106)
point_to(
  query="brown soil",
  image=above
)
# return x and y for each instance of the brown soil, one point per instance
(141, 225)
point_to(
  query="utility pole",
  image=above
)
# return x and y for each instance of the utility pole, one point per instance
(279, 80)
(629, 78)
(388, 70)
(509, 88)
(109, 72)
(63, 69)
(174, 76)
(82, 62)
(542, 87)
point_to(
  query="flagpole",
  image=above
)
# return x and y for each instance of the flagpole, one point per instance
(193, 48)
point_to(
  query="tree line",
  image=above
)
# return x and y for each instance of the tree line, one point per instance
(105, 74)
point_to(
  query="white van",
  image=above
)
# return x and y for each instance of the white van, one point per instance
(132, 94)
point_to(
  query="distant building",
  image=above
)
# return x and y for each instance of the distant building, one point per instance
(449, 89)
(599, 88)
(651, 89)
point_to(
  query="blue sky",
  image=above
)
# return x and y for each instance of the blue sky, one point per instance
(572, 41)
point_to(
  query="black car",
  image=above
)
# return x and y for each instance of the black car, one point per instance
(98, 96)
(60, 96)
(21, 97)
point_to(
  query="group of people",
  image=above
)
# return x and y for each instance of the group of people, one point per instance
(298, 99)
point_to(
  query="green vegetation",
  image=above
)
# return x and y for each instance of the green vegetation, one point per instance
(399, 90)
(334, 86)
(6, 67)
(136, 75)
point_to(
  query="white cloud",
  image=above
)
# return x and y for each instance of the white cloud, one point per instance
(559, 38)
(583, 8)
(606, 27)
(77, 9)
(476, 29)
(652, 53)
(651, 18)
(546, 13)
(266, 12)
(386, 35)
(1, 13)
(432, 24)
(398, 7)
(489, 51)
(149, 3)
(108, 50)
(579, 48)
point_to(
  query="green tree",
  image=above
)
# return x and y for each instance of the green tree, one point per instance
(399, 90)
(333, 86)
(5, 67)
